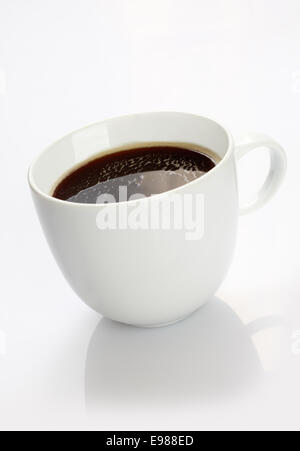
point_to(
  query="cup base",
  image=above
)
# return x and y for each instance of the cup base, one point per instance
(161, 325)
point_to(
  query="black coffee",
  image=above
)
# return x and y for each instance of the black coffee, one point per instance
(136, 171)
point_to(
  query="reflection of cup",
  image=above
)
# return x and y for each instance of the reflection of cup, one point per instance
(147, 277)
(209, 356)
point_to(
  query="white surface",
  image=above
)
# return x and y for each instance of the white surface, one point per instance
(67, 63)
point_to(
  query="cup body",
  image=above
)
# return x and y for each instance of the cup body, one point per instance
(144, 277)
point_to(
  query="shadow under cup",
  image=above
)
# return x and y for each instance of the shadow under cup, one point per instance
(208, 358)
(145, 276)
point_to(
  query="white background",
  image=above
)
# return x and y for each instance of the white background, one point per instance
(233, 365)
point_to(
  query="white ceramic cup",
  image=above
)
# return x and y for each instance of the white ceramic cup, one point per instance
(148, 277)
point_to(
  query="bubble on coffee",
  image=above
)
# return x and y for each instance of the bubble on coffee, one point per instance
(138, 171)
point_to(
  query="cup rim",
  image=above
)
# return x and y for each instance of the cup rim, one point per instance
(209, 174)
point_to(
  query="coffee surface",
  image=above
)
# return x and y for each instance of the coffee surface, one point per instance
(136, 171)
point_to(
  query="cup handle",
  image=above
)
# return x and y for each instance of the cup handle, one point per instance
(277, 168)
(265, 323)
